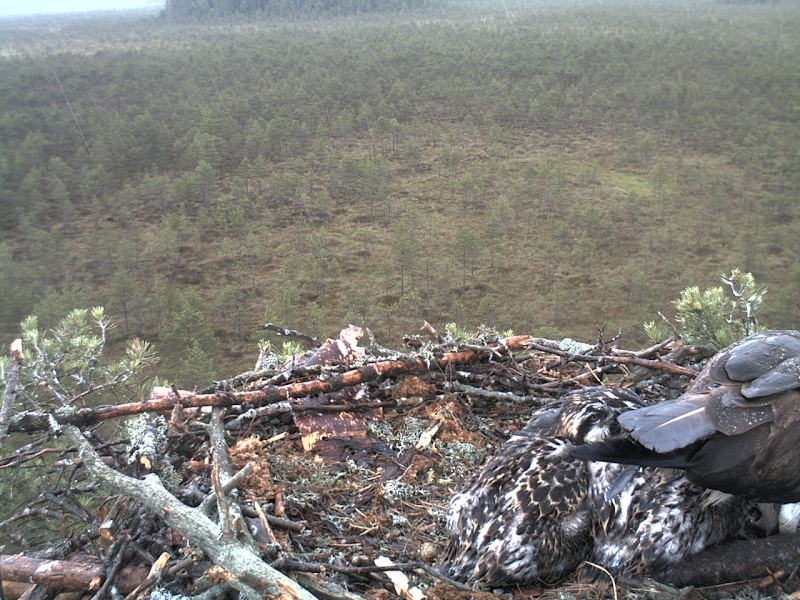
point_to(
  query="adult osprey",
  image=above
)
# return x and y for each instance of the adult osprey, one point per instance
(736, 429)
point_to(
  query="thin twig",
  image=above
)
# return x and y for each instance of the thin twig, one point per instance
(610, 576)
(495, 395)
(662, 365)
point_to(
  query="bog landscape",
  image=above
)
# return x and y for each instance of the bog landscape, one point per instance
(543, 167)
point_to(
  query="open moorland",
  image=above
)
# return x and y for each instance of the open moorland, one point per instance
(548, 167)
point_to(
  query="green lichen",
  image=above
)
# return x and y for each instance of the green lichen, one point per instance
(573, 347)
(464, 451)
(137, 428)
(402, 440)
(399, 520)
(394, 490)
(437, 514)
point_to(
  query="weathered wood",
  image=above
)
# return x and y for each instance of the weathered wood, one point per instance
(247, 572)
(164, 399)
(10, 389)
(63, 575)
(661, 365)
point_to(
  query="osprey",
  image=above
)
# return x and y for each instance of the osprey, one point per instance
(736, 429)
(535, 512)
(648, 518)
(528, 515)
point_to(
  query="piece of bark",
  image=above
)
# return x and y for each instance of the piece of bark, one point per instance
(736, 561)
(402, 585)
(342, 351)
(13, 590)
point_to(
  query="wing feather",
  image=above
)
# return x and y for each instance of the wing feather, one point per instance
(784, 377)
(669, 425)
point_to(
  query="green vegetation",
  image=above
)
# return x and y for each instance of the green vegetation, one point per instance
(205, 9)
(534, 165)
(67, 363)
(63, 368)
(712, 317)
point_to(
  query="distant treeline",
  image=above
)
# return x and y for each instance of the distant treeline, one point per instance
(293, 8)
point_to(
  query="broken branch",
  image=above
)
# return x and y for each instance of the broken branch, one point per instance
(10, 391)
(249, 574)
(163, 399)
(662, 365)
(66, 574)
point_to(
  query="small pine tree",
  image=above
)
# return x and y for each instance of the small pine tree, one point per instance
(67, 362)
(196, 368)
(714, 318)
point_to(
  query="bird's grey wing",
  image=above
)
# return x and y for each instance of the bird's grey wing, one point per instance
(747, 359)
(732, 414)
(669, 425)
(783, 377)
(732, 395)
(756, 355)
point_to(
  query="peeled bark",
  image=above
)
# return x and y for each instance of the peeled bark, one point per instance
(163, 399)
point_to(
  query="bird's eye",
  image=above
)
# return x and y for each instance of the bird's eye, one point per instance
(593, 418)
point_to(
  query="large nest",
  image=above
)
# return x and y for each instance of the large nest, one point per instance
(346, 460)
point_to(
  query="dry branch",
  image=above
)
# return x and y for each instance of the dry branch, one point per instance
(10, 391)
(495, 395)
(662, 365)
(163, 399)
(66, 574)
(248, 573)
(289, 333)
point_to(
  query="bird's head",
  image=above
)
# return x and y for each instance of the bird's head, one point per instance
(590, 415)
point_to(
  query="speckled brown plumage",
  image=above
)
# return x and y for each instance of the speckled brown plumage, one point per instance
(535, 512)
(657, 518)
(528, 516)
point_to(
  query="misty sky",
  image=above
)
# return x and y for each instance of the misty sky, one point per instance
(29, 7)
